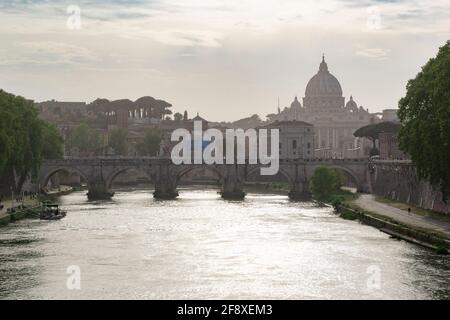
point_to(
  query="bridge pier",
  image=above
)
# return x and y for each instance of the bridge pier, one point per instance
(165, 191)
(300, 190)
(98, 191)
(233, 186)
(165, 182)
(232, 190)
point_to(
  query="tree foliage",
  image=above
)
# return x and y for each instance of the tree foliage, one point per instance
(24, 141)
(85, 139)
(326, 182)
(372, 132)
(178, 117)
(425, 116)
(151, 143)
(118, 141)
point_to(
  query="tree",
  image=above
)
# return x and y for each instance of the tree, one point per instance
(151, 143)
(24, 141)
(424, 113)
(372, 132)
(85, 139)
(156, 108)
(52, 142)
(118, 141)
(185, 115)
(178, 117)
(325, 182)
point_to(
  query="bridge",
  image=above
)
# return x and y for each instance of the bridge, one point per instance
(99, 173)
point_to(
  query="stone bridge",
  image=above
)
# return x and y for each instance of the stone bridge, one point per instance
(101, 172)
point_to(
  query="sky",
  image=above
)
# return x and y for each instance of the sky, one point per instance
(225, 59)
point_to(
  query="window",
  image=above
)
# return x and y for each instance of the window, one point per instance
(294, 144)
(309, 146)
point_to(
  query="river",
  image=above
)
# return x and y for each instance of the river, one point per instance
(202, 247)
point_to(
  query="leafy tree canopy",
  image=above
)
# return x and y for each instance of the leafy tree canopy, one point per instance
(151, 143)
(372, 131)
(24, 140)
(326, 182)
(85, 139)
(425, 116)
(178, 116)
(118, 141)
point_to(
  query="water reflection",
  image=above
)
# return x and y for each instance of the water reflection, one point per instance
(201, 246)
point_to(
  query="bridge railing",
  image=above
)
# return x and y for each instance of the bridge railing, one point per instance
(116, 159)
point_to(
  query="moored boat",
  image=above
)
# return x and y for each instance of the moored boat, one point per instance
(52, 212)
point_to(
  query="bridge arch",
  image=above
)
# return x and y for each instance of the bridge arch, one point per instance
(349, 173)
(281, 170)
(183, 172)
(45, 178)
(111, 177)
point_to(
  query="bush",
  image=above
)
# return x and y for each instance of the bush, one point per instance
(348, 215)
(325, 183)
(336, 201)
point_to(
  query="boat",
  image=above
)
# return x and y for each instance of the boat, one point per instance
(52, 212)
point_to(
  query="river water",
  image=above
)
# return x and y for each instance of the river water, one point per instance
(202, 247)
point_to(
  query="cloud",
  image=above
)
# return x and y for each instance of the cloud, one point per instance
(235, 55)
(49, 53)
(373, 53)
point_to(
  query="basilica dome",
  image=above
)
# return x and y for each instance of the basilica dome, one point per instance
(296, 104)
(351, 104)
(323, 83)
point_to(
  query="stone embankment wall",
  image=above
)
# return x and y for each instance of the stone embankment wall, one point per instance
(407, 233)
(397, 180)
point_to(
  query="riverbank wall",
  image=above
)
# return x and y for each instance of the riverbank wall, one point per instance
(398, 181)
(398, 230)
(31, 211)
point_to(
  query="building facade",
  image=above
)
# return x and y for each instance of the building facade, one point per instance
(296, 139)
(334, 120)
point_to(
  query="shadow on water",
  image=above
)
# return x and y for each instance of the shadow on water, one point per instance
(19, 265)
(430, 272)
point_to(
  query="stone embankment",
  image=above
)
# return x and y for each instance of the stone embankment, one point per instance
(424, 237)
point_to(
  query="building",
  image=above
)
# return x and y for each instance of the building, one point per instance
(334, 120)
(296, 139)
(390, 115)
(389, 146)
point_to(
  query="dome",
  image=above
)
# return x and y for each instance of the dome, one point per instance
(351, 104)
(296, 104)
(323, 83)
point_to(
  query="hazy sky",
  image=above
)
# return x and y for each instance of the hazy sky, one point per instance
(223, 58)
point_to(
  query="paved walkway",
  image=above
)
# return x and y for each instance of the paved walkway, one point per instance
(368, 202)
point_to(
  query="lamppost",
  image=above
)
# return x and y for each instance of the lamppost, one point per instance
(12, 197)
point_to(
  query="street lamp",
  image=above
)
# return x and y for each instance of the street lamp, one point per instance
(12, 197)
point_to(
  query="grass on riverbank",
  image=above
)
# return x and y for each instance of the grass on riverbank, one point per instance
(416, 210)
(350, 203)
